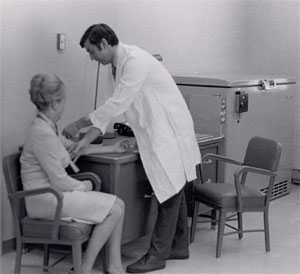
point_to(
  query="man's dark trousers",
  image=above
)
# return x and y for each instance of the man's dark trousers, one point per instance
(170, 231)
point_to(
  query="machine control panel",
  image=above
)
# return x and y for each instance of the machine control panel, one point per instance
(241, 101)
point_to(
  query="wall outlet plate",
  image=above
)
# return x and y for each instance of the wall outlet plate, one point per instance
(61, 41)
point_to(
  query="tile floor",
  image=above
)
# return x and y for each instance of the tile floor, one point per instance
(245, 256)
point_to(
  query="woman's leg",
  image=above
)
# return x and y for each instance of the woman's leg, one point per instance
(114, 244)
(101, 234)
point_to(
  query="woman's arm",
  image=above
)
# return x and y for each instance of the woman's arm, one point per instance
(118, 147)
(91, 149)
(46, 148)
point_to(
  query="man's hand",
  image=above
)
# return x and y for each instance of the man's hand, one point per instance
(76, 149)
(71, 131)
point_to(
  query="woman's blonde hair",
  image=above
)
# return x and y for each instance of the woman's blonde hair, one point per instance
(45, 89)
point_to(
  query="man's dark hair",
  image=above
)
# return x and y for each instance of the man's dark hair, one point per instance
(95, 34)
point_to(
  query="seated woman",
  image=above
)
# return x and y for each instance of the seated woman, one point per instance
(43, 162)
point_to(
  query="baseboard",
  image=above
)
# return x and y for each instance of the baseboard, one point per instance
(8, 245)
(296, 176)
(296, 181)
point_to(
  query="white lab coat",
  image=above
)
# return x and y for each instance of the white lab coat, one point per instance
(147, 96)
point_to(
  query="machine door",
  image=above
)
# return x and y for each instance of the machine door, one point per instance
(207, 107)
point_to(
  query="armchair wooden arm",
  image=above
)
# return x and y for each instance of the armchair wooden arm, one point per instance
(251, 169)
(26, 193)
(221, 158)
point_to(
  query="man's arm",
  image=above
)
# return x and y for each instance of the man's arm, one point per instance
(89, 137)
(72, 130)
(132, 79)
(92, 134)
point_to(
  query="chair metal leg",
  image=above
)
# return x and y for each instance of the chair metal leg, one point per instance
(221, 227)
(46, 258)
(77, 257)
(19, 247)
(267, 231)
(194, 221)
(240, 224)
(214, 219)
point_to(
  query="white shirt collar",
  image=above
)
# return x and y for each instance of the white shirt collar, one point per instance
(119, 54)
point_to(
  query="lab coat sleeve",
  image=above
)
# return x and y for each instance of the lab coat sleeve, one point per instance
(45, 149)
(132, 78)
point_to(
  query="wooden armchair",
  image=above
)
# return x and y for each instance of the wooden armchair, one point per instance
(39, 231)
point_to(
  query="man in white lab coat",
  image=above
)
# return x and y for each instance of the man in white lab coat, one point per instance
(147, 96)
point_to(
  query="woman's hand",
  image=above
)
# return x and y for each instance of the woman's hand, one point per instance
(89, 185)
(116, 147)
(86, 185)
(129, 145)
(125, 145)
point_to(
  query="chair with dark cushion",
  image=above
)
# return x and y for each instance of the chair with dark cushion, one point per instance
(262, 157)
(40, 231)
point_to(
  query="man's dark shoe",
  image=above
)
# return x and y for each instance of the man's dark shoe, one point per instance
(178, 256)
(146, 264)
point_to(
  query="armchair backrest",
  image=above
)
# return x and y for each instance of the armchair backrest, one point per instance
(263, 153)
(12, 176)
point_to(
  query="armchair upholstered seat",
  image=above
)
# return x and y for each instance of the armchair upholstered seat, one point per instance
(262, 157)
(224, 195)
(41, 231)
(68, 231)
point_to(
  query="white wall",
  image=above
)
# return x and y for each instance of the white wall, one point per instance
(271, 36)
(193, 36)
(297, 113)
(188, 34)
